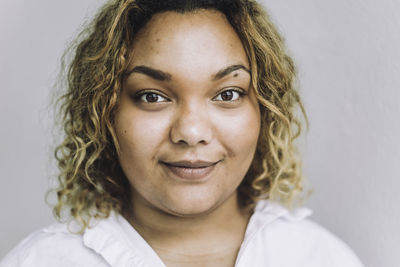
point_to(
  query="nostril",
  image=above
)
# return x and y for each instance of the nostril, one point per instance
(184, 142)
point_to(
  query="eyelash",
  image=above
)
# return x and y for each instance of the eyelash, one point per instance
(240, 93)
(141, 94)
(138, 97)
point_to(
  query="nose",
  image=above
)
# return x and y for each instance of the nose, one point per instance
(191, 126)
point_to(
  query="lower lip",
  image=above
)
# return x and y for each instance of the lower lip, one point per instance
(191, 174)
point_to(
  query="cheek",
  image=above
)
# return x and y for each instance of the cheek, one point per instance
(139, 135)
(238, 134)
(239, 131)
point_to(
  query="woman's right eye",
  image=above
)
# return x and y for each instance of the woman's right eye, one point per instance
(150, 97)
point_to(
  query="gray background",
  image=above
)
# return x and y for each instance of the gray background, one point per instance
(348, 57)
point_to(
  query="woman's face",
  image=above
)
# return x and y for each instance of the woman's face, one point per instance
(188, 120)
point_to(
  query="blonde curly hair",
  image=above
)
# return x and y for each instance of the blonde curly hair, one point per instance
(91, 181)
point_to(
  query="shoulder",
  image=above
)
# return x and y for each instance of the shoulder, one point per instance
(292, 239)
(308, 241)
(54, 245)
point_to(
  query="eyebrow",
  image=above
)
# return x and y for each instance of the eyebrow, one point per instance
(153, 73)
(224, 72)
(165, 76)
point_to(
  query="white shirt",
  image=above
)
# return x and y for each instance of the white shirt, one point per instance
(274, 237)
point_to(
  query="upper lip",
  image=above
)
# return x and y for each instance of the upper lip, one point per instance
(190, 164)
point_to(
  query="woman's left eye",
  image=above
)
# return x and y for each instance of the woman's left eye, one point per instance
(150, 97)
(229, 95)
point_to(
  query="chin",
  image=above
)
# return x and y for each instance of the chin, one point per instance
(191, 206)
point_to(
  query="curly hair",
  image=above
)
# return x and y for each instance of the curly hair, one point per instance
(91, 181)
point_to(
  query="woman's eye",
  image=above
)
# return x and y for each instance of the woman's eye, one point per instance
(229, 95)
(151, 97)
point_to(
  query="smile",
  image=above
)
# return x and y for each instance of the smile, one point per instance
(188, 170)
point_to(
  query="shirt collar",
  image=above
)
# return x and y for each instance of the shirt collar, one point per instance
(120, 244)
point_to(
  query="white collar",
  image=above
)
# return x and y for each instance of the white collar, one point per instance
(264, 214)
(120, 244)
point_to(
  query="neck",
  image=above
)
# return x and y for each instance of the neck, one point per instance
(214, 232)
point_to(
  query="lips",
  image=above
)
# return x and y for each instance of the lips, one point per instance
(190, 170)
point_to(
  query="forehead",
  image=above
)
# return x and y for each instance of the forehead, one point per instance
(203, 38)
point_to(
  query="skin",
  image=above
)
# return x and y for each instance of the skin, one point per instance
(182, 115)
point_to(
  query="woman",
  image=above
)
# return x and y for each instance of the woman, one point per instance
(179, 122)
